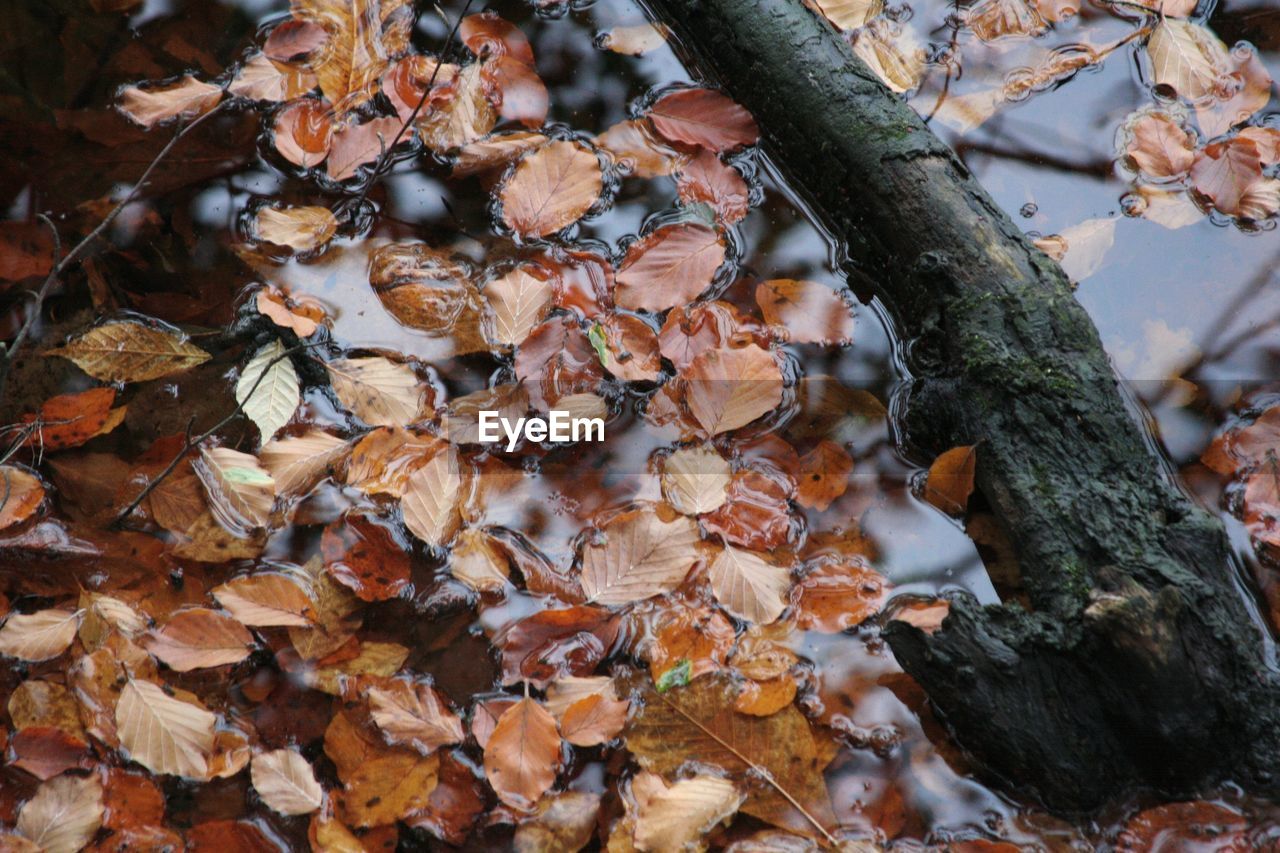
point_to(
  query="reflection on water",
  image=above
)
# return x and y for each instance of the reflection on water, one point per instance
(1202, 298)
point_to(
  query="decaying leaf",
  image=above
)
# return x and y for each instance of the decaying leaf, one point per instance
(893, 52)
(1187, 57)
(993, 19)
(21, 494)
(564, 823)
(298, 464)
(748, 586)
(637, 150)
(1160, 146)
(241, 492)
(198, 638)
(594, 719)
(286, 782)
(695, 479)
(950, 480)
(518, 301)
(550, 189)
(303, 132)
(823, 476)
(163, 733)
(730, 388)
(523, 754)
(430, 502)
(188, 97)
(466, 114)
(709, 180)
(360, 144)
(129, 351)
(671, 818)
(266, 599)
(635, 39)
(299, 314)
(70, 420)
(414, 715)
(641, 556)
(704, 118)
(64, 814)
(264, 79)
(378, 391)
(477, 559)
(779, 756)
(1230, 174)
(38, 636)
(363, 35)
(363, 554)
(303, 229)
(810, 312)
(838, 595)
(849, 14)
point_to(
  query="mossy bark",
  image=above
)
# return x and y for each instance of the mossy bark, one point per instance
(1138, 663)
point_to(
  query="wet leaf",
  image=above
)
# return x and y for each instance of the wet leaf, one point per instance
(127, 351)
(730, 388)
(382, 461)
(20, 496)
(303, 132)
(812, 313)
(164, 734)
(187, 98)
(301, 315)
(360, 144)
(1187, 57)
(363, 35)
(390, 788)
(550, 189)
(635, 39)
(1230, 174)
(705, 118)
(266, 599)
(286, 782)
(299, 464)
(199, 638)
(708, 180)
(378, 391)
(556, 360)
(293, 39)
(641, 556)
(38, 636)
(26, 250)
(695, 479)
(552, 644)
(777, 758)
(748, 586)
(836, 596)
(893, 52)
(518, 301)
(70, 420)
(562, 823)
(496, 151)
(927, 616)
(382, 659)
(630, 348)
(675, 817)
(993, 19)
(849, 14)
(1245, 90)
(489, 34)
(571, 689)
(45, 751)
(677, 675)
(824, 475)
(431, 497)
(519, 91)
(1185, 826)
(414, 715)
(263, 79)
(523, 754)
(634, 147)
(362, 554)
(950, 480)
(64, 814)
(303, 229)
(268, 390)
(464, 116)
(593, 720)
(1160, 147)
(36, 702)
(478, 560)
(241, 492)
(671, 265)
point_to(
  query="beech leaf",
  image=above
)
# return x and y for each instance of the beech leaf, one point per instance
(264, 79)
(241, 492)
(748, 586)
(21, 494)
(551, 189)
(430, 502)
(413, 715)
(1187, 57)
(303, 229)
(593, 720)
(38, 636)
(670, 266)
(64, 814)
(518, 301)
(378, 391)
(849, 14)
(641, 556)
(363, 35)
(128, 351)
(476, 559)
(812, 313)
(705, 118)
(298, 464)
(673, 817)
(266, 599)
(1160, 147)
(200, 638)
(188, 97)
(286, 782)
(950, 480)
(695, 480)
(523, 754)
(164, 734)
(268, 390)
(730, 388)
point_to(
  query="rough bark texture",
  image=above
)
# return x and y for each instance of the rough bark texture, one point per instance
(1139, 663)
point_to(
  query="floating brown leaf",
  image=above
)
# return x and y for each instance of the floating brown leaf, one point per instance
(303, 132)
(593, 720)
(414, 715)
(669, 818)
(1160, 147)
(812, 313)
(303, 229)
(641, 556)
(128, 351)
(378, 391)
(431, 498)
(64, 814)
(46, 751)
(69, 420)
(670, 266)
(38, 636)
(748, 586)
(1187, 57)
(464, 114)
(21, 494)
(519, 91)
(266, 599)
(492, 152)
(523, 754)
(824, 475)
(1230, 174)
(950, 480)
(298, 464)
(300, 314)
(163, 733)
(635, 39)
(564, 822)
(188, 97)
(695, 479)
(363, 35)
(777, 758)
(709, 180)
(361, 553)
(893, 52)
(264, 79)
(836, 596)
(849, 14)
(286, 782)
(357, 145)
(478, 560)
(550, 189)
(993, 19)
(551, 645)
(198, 638)
(241, 492)
(293, 39)
(518, 301)
(636, 149)
(730, 388)
(705, 118)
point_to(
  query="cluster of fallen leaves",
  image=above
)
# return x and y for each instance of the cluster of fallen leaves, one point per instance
(1249, 452)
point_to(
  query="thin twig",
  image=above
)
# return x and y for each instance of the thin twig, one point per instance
(60, 265)
(188, 443)
(381, 164)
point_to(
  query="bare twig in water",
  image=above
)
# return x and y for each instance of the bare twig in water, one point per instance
(60, 264)
(189, 443)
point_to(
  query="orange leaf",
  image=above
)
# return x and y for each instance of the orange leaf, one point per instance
(669, 266)
(730, 388)
(523, 754)
(824, 475)
(361, 553)
(707, 179)
(20, 495)
(950, 480)
(551, 189)
(69, 420)
(303, 132)
(837, 596)
(703, 117)
(812, 313)
(199, 638)
(594, 720)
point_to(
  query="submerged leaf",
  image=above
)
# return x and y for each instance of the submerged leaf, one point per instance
(730, 388)
(188, 97)
(199, 638)
(748, 586)
(128, 351)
